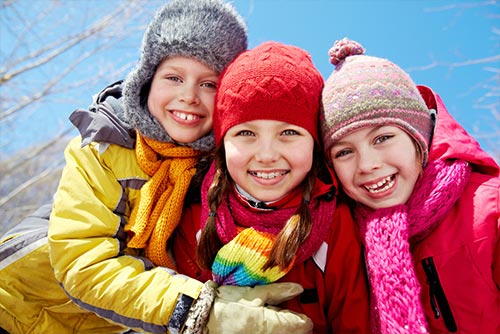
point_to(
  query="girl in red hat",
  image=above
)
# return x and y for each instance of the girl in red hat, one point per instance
(269, 212)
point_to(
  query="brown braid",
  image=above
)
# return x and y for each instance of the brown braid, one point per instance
(298, 227)
(210, 242)
(295, 231)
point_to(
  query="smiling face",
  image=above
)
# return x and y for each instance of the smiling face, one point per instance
(377, 166)
(268, 158)
(182, 98)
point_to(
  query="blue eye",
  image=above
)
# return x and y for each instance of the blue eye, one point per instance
(209, 85)
(245, 133)
(290, 132)
(383, 138)
(173, 78)
(342, 153)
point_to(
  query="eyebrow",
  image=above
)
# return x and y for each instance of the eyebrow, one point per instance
(374, 129)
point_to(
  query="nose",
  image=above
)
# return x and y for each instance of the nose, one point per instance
(368, 161)
(267, 151)
(189, 94)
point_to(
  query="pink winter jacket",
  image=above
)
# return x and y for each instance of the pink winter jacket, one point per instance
(458, 264)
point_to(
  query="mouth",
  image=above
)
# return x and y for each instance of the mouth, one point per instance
(382, 185)
(185, 116)
(271, 175)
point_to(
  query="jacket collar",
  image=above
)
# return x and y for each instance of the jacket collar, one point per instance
(451, 141)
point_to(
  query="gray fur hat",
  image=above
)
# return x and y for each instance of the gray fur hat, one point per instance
(211, 31)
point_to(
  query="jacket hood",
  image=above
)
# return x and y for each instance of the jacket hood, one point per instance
(451, 141)
(105, 121)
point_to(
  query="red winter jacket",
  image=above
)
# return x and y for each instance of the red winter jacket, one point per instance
(461, 257)
(335, 293)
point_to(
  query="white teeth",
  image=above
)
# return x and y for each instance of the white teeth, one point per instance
(267, 175)
(382, 185)
(187, 117)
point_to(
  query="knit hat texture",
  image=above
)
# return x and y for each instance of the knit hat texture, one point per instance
(210, 31)
(366, 91)
(273, 81)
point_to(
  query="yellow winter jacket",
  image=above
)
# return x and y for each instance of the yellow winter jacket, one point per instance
(80, 277)
(94, 275)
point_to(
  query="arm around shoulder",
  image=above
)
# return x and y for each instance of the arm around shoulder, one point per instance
(87, 243)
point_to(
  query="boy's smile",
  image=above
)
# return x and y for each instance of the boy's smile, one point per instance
(182, 96)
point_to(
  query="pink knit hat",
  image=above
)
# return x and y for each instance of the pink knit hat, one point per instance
(272, 81)
(367, 91)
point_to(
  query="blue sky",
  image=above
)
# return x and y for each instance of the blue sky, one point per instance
(413, 34)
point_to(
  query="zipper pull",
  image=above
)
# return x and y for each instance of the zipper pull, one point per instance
(437, 295)
(431, 282)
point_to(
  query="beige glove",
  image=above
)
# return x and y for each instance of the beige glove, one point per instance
(250, 310)
(244, 310)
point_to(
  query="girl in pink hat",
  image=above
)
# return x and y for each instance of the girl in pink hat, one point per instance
(426, 198)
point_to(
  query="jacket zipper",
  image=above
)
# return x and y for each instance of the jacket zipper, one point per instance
(439, 303)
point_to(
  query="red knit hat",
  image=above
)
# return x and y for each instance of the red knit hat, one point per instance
(272, 81)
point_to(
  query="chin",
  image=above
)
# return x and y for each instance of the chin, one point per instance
(185, 139)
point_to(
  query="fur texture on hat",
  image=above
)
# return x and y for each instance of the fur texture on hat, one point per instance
(272, 81)
(367, 91)
(210, 31)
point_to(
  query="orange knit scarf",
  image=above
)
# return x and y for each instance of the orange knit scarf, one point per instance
(161, 199)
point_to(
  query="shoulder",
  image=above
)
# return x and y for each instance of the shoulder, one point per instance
(481, 199)
(482, 189)
(474, 219)
(342, 243)
(103, 163)
(343, 227)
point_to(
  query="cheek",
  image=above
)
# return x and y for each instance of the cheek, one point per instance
(299, 154)
(151, 107)
(305, 160)
(234, 156)
(344, 176)
(236, 165)
(208, 102)
(415, 175)
(208, 125)
(153, 100)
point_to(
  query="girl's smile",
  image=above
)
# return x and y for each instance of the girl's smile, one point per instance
(268, 159)
(387, 183)
(377, 166)
(268, 175)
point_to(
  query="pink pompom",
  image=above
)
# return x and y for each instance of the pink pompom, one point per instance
(343, 49)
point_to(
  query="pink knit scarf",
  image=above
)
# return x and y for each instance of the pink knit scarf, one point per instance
(388, 235)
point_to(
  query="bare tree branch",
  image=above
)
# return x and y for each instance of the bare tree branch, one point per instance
(52, 52)
(470, 62)
(32, 181)
(48, 87)
(61, 46)
(462, 6)
(33, 153)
